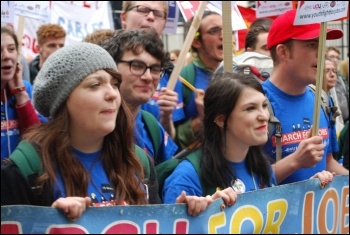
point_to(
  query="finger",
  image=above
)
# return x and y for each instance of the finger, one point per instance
(181, 198)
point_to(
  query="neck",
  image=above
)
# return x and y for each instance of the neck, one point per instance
(287, 82)
(86, 144)
(208, 63)
(236, 153)
(134, 109)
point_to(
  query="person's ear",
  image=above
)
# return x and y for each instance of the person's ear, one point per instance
(196, 43)
(123, 19)
(37, 48)
(220, 120)
(282, 51)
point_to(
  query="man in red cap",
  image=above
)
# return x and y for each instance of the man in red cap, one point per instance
(294, 50)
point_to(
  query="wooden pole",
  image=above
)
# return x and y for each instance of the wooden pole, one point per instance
(186, 46)
(20, 29)
(319, 78)
(227, 35)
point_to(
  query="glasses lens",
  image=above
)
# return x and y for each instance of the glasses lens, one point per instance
(143, 10)
(159, 14)
(137, 67)
(214, 31)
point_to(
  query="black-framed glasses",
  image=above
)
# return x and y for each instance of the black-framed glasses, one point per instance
(138, 67)
(142, 10)
(215, 31)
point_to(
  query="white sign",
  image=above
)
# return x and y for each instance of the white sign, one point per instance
(272, 8)
(188, 9)
(173, 18)
(7, 12)
(34, 9)
(320, 11)
(78, 18)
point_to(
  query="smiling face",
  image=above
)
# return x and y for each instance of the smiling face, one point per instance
(94, 104)
(132, 19)
(247, 123)
(137, 89)
(9, 57)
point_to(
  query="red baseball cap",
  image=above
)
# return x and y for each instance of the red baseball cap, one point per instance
(282, 29)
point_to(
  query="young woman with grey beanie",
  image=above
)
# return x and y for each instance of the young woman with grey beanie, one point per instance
(86, 148)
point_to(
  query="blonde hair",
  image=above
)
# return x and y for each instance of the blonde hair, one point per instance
(98, 36)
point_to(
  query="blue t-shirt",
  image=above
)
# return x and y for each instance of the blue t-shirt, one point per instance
(185, 178)
(100, 189)
(153, 107)
(296, 115)
(167, 147)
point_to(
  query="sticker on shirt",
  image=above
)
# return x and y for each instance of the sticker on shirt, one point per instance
(238, 185)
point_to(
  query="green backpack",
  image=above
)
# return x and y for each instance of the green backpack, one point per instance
(28, 161)
(167, 167)
(153, 130)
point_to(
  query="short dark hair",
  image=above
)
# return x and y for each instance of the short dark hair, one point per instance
(261, 25)
(135, 41)
(189, 22)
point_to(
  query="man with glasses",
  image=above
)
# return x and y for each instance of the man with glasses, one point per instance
(166, 105)
(342, 87)
(207, 53)
(140, 57)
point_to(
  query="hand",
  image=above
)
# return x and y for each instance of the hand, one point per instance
(309, 152)
(199, 100)
(167, 102)
(325, 177)
(73, 207)
(228, 195)
(17, 80)
(196, 205)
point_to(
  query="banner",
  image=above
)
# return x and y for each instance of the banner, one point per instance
(78, 18)
(302, 207)
(37, 10)
(7, 12)
(172, 19)
(272, 8)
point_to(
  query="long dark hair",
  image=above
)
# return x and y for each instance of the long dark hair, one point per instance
(118, 157)
(221, 98)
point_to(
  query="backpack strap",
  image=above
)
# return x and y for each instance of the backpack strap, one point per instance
(331, 111)
(26, 159)
(153, 129)
(189, 73)
(145, 161)
(194, 158)
(274, 122)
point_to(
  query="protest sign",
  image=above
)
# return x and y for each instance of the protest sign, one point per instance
(301, 207)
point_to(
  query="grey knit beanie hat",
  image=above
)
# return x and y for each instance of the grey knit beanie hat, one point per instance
(63, 71)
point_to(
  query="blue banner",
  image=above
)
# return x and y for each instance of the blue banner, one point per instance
(302, 207)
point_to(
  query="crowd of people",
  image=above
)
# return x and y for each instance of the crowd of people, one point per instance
(100, 117)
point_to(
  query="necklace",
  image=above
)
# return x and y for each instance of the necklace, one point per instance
(253, 179)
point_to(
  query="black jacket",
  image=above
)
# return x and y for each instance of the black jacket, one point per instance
(34, 68)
